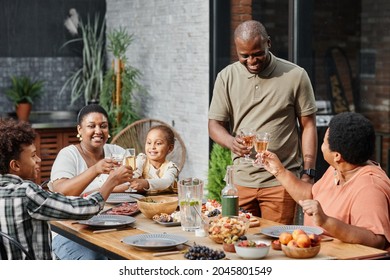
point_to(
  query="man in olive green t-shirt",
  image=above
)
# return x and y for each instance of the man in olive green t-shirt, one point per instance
(267, 94)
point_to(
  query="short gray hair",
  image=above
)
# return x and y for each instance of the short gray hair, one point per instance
(249, 30)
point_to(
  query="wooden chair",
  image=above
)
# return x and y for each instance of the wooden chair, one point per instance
(13, 243)
(134, 136)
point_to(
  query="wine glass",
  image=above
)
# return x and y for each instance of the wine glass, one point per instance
(261, 145)
(130, 158)
(117, 160)
(247, 136)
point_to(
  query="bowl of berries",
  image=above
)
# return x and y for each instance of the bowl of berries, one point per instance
(252, 249)
(200, 252)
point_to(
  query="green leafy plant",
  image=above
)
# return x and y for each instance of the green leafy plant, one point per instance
(119, 40)
(120, 83)
(87, 81)
(24, 90)
(220, 158)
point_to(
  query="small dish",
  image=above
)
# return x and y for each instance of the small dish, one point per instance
(260, 251)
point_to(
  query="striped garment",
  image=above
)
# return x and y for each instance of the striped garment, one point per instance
(25, 209)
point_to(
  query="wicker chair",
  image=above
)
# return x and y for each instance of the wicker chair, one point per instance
(134, 136)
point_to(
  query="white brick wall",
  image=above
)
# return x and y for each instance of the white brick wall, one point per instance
(171, 49)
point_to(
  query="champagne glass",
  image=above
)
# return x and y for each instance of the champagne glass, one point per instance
(247, 136)
(130, 158)
(117, 159)
(261, 145)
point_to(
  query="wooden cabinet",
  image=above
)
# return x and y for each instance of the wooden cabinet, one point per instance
(49, 142)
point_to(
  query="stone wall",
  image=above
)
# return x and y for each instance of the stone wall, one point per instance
(171, 50)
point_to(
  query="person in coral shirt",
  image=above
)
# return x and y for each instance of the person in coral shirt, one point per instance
(352, 200)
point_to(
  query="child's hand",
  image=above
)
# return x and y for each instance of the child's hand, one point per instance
(139, 185)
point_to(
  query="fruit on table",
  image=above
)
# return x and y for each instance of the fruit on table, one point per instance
(299, 238)
(315, 239)
(285, 237)
(231, 239)
(276, 245)
(292, 243)
(199, 252)
(251, 243)
(214, 213)
(297, 232)
(303, 241)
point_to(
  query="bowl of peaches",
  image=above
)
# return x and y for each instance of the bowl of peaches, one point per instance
(298, 244)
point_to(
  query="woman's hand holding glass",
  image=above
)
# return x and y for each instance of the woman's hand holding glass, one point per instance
(261, 145)
(117, 159)
(123, 174)
(104, 166)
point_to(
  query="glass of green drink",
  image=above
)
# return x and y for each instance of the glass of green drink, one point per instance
(190, 202)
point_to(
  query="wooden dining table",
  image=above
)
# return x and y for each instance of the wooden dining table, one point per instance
(110, 243)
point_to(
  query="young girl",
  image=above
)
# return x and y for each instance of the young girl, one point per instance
(154, 173)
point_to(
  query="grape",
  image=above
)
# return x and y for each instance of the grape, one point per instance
(214, 213)
(199, 252)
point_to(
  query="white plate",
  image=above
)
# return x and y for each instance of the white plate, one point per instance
(123, 197)
(108, 221)
(154, 240)
(275, 231)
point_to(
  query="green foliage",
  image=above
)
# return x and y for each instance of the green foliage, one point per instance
(118, 42)
(128, 109)
(87, 81)
(24, 90)
(220, 158)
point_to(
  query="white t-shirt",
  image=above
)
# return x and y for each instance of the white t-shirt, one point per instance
(159, 179)
(70, 163)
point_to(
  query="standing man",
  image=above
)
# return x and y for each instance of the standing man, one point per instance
(265, 93)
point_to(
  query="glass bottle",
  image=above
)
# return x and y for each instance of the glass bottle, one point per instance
(229, 195)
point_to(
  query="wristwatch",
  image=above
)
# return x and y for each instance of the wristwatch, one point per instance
(310, 172)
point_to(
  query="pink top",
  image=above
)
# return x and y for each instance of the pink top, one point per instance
(363, 201)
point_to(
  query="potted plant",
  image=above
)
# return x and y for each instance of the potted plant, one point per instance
(22, 93)
(120, 83)
(87, 81)
(220, 158)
